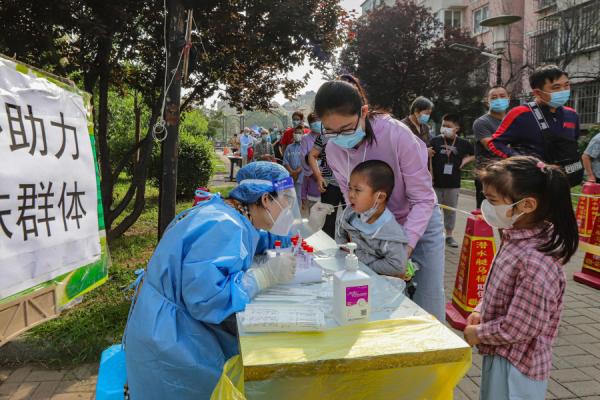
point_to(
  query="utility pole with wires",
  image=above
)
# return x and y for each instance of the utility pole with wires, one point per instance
(177, 47)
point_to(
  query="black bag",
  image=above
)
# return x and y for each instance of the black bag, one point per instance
(559, 150)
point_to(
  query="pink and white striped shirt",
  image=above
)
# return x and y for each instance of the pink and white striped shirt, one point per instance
(522, 302)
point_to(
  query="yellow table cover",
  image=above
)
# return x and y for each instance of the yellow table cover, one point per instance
(409, 358)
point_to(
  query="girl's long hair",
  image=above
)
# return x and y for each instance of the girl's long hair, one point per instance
(519, 177)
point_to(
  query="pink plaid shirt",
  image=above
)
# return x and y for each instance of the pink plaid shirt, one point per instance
(521, 306)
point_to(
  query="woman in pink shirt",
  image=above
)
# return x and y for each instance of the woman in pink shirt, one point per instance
(356, 136)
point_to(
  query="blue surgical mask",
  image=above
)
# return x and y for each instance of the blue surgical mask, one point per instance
(558, 99)
(424, 118)
(351, 140)
(371, 229)
(296, 122)
(499, 105)
(316, 127)
(366, 216)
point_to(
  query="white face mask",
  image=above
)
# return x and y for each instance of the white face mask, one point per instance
(495, 215)
(283, 223)
(447, 132)
(297, 137)
(366, 216)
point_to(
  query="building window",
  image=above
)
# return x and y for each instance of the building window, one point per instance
(586, 26)
(546, 47)
(479, 15)
(545, 3)
(453, 18)
(586, 100)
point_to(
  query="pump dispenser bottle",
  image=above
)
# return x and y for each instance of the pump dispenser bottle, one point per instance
(351, 291)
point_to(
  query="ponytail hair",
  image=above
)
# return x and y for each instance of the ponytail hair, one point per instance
(564, 235)
(351, 79)
(341, 97)
(519, 177)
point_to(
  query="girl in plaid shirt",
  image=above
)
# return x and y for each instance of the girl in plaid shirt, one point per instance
(517, 320)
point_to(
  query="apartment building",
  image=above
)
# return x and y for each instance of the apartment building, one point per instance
(369, 5)
(562, 32)
(567, 33)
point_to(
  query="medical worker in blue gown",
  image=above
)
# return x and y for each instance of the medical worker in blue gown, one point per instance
(182, 327)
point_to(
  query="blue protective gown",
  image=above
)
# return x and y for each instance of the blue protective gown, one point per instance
(176, 341)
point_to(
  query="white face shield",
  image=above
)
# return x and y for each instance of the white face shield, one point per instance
(288, 214)
(288, 204)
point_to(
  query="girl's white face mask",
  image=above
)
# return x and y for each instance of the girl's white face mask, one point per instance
(495, 215)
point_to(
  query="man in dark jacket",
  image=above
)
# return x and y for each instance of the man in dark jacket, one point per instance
(520, 132)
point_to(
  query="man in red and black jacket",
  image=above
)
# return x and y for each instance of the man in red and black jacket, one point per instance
(520, 132)
(288, 136)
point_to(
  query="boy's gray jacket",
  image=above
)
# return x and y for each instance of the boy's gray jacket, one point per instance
(384, 251)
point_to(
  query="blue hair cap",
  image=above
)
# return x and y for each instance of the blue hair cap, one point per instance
(257, 178)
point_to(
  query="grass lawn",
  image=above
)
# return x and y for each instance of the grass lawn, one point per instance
(467, 184)
(81, 333)
(220, 167)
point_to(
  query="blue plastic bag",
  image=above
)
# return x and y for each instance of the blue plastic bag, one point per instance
(112, 375)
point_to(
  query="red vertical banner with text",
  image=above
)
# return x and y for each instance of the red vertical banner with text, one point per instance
(590, 270)
(477, 254)
(587, 209)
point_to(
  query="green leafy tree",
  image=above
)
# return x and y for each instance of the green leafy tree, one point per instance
(194, 122)
(215, 124)
(402, 52)
(247, 48)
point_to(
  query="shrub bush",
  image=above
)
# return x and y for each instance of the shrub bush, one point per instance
(195, 165)
(585, 140)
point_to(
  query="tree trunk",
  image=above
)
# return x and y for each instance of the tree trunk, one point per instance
(138, 181)
(169, 154)
(106, 182)
(137, 111)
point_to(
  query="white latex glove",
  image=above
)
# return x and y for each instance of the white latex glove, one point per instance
(276, 270)
(317, 216)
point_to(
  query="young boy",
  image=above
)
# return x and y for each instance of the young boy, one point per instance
(451, 153)
(381, 241)
(292, 160)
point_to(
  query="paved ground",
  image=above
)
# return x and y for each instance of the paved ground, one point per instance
(576, 363)
(575, 374)
(38, 383)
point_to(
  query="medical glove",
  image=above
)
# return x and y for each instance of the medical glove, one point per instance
(276, 270)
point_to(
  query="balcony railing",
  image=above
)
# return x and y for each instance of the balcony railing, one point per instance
(541, 4)
(544, 47)
(585, 99)
(567, 32)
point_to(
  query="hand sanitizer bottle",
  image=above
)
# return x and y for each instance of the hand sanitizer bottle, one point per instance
(351, 292)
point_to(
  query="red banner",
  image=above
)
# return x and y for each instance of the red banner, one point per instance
(475, 261)
(587, 210)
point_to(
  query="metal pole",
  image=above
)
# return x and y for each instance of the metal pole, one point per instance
(168, 182)
(498, 71)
